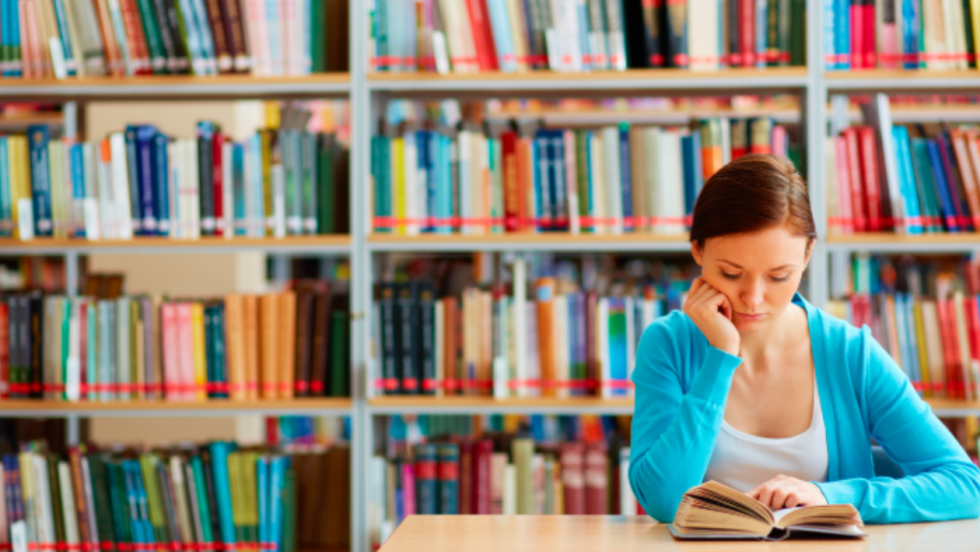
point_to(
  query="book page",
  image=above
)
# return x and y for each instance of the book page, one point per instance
(832, 514)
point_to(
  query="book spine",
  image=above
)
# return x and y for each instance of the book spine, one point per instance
(38, 138)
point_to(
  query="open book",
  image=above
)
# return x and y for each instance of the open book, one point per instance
(716, 511)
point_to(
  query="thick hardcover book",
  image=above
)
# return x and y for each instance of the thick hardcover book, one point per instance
(305, 300)
(216, 26)
(37, 136)
(385, 296)
(217, 182)
(427, 339)
(340, 346)
(325, 195)
(448, 477)
(409, 333)
(154, 38)
(319, 370)
(205, 139)
(426, 483)
(35, 313)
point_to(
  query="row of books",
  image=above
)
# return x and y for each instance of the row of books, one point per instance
(142, 182)
(497, 472)
(926, 316)
(913, 178)
(243, 347)
(190, 498)
(59, 38)
(899, 34)
(582, 35)
(612, 179)
(561, 342)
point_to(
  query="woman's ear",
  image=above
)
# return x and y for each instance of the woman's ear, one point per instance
(809, 253)
(696, 252)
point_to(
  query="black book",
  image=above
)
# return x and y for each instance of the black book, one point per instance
(340, 346)
(388, 313)
(209, 491)
(320, 370)
(36, 333)
(205, 139)
(427, 342)
(182, 63)
(409, 334)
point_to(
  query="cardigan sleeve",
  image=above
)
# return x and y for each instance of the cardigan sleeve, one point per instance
(674, 433)
(941, 482)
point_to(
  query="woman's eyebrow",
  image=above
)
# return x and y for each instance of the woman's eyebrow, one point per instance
(790, 265)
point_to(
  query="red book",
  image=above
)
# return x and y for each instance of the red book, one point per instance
(572, 458)
(746, 24)
(596, 482)
(854, 166)
(591, 358)
(844, 213)
(217, 178)
(947, 328)
(870, 177)
(857, 35)
(973, 326)
(870, 38)
(511, 182)
(138, 49)
(4, 350)
(480, 492)
(171, 350)
(466, 476)
(486, 53)
(449, 352)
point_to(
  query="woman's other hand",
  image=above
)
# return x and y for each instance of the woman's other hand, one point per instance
(711, 312)
(787, 492)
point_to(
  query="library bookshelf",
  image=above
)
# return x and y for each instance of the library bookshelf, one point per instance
(368, 94)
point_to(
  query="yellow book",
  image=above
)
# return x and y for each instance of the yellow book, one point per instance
(19, 176)
(27, 487)
(922, 348)
(237, 491)
(398, 183)
(200, 358)
(250, 500)
(975, 22)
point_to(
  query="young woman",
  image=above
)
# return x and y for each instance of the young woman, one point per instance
(754, 387)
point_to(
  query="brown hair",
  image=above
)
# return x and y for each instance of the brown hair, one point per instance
(753, 193)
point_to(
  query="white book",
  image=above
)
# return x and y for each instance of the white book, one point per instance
(192, 190)
(73, 367)
(533, 351)
(953, 15)
(598, 39)
(120, 181)
(602, 346)
(566, 25)
(379, 495)
(56, 159)
(627, 501)
(520, 327)
(90, 205)
(726, 140)
(122, 348)
(501, 361)
(57, 50)
(613, 178)
(278, 177)
(175, 157)
(228, 189)
(42, 499)
(412, 184)
(560, 339)
(702, 38)
(287, 35)
(68, 504)
(571, 182)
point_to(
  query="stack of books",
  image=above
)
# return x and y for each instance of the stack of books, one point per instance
(552, 338)
(467, 36)
(242, 347)
(559, 465)
(908, 178)
(62, 39)
(899, 34)
(141, 182)
(215, 495)
(613, 179)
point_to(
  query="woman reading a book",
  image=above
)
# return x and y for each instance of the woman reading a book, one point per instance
(755, 388)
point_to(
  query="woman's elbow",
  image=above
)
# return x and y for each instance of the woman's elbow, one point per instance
(653, 503)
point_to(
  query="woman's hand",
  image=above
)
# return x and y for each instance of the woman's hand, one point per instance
(787, 492)
(711, 312)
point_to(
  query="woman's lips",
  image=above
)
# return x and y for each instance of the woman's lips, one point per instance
(751, 317)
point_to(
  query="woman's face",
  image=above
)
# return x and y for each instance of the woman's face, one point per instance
(758, 272)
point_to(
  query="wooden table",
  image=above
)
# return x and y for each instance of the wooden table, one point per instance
(641, 534)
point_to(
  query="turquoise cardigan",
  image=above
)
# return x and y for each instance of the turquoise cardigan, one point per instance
(682, 385)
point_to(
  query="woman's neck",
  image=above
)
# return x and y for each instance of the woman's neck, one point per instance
(775, 338)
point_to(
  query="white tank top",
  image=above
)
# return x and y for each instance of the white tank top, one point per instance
(743, 461)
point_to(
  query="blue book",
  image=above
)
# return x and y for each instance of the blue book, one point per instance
(502, 38)
(5, 43)
(559, 194)
(958, 199)
(761, 23)
(448, 477)
(541, 159)
(275, 35)
(61, 19)
(435, 174)
(911, 27)
(445, 187)
(37, 139)
(77, 190)
(262, 488)
(132, 164)
(143, 502)
(204, 32)
(220, 351)
(258, 189)
(626, 176)
(277, 482)
(222, 491)
(145, 170)
(698, 168)
(942, 186)
(421, 165)
(161, 184)
(239, 214)
(687, 159)
(16, 67)
(617, 344)
(925, 185)
(378, 159)
(6, 222)
(590, 191)
(841, 23)
(906, 179)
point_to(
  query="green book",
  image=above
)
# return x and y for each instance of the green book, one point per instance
(148, 463)
(797, 34)
(154, 39)
(339, 347)
(326, 221)
(522, 451)
(237, 495)
(318, 48)
(289, 508)
(54, 487)
(101, 498)
(119, 502)
(204, 509)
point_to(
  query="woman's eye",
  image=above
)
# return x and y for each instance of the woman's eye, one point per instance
(783, 279)
(729, 276)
